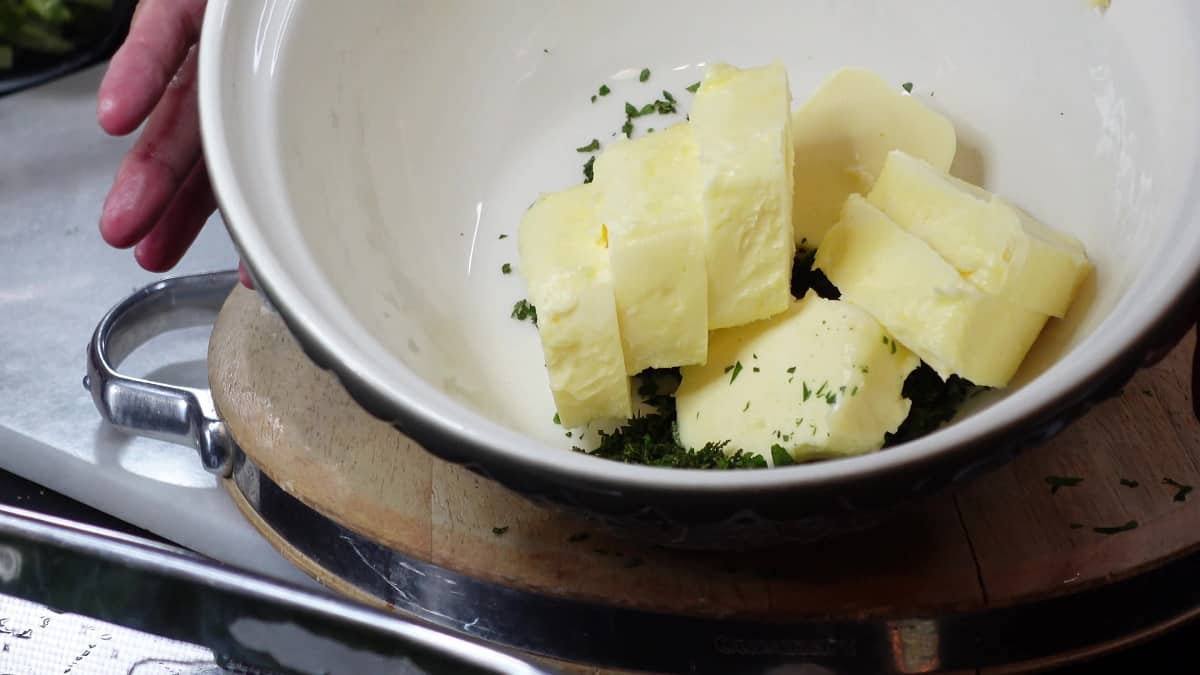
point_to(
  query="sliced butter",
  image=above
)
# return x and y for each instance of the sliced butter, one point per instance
(567, 270)
(842, 136)
(822, 379)
(921, 300)
(741, 120)
(994, 245)
(649, 201)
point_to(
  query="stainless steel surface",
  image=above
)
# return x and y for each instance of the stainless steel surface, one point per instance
(178, 414)
(57, 278)
(244, 619)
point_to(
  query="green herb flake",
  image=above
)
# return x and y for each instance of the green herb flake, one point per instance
(593, 98)
(737, 369)
(805, 391)
(1116, 529)
(588, 168)
(506, 268)
(831, 399)
(854, 391)
(498, 531)
(646, 109)
(503, 236)
(667, 95)
(1129, 483)
(893, 346)
(644, 75)
(754, 369)
(791, 371)
(604, 90)
(650, 130)
(907, 87)
(693, 87)
(780, 456)
(590, 147)
(578, 537)
(630, 111)
(746, 407)
(523, 310)
(1182, 490)
(1056, 482)
(627, 129)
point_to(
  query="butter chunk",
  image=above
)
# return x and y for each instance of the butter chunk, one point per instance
(842, 136)
(821, 380)
(649, 201)
(741, 120)
(994, 245)
(567, 270)
(921, 299)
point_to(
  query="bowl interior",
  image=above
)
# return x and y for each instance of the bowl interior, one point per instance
(380, 157)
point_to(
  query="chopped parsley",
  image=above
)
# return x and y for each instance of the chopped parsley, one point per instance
(754, 369)
(907, 87)
(1129, 483)
(587, 170)
(791, 370)
(805, 391)
(604, 90)
(934, 403)
(523, 310)
(1182, 490)
(737, 369)
(650, 439)
(506, 268)
(646, 109)
(644, 75)
(1116, 529)
(746, 407)
(1056, 482)
(557, 419)
(590, 147)
(630, 111)
(499, 530)
(693, 87)
(667, 96)
(804, 277)
(780, 456)
(627, 128)
(504, 236)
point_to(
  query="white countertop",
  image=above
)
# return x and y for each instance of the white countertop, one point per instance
(57, 278)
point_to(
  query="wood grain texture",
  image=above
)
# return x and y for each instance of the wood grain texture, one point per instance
(303, 430)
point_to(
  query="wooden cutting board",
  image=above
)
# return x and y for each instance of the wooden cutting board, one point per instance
(1009, 539)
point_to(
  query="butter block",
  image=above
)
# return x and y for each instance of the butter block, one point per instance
(823, 379)
(741, 120)
(842, 136)
(921, 299)
(649, 201)
(994, 245)
(566, 267)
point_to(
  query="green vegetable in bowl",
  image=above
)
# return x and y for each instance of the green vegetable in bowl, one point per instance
(41, 26)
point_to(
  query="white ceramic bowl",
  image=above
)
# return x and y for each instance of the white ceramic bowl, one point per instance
(369, 159)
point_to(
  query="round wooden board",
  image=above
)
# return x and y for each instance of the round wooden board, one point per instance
(1001, 541)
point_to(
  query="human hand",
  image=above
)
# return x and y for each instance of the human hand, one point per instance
(161, 196)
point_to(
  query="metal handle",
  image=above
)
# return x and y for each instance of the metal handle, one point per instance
(182, 415)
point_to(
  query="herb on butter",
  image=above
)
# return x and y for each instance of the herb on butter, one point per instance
(693, 87)
(604, 90)
(588, 168)
(737, 369)
(523, 310)
(746, 407)
(506, 268)
(780, 456)
(1056, 482)
(627, 128)
(504, 236)
(1117, 529)
(557, 419)
(650, 440)
(590, 147)
(630, 111)
(644, 75)
(907, 87)
(804, 391)
(1181, 489)
(668, 97)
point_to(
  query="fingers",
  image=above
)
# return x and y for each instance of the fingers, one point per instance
(159, 37)
(179, 224)
(157, 165)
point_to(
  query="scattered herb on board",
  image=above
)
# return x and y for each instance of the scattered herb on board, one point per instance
(523, 310)
(506, 268)
(1056, 482)
(499, 530)
(1129, 483)
(1075, 526)
(644, 75)
(590, 147)
(693, 87)
(1181, 490)
(907, 87)
(587, 170)
(1116, 529)
(633, 562)
(578, 537)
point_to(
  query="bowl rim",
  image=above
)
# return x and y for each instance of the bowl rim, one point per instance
(470, 437)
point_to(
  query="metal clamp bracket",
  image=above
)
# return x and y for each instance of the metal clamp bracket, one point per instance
(182, 415)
